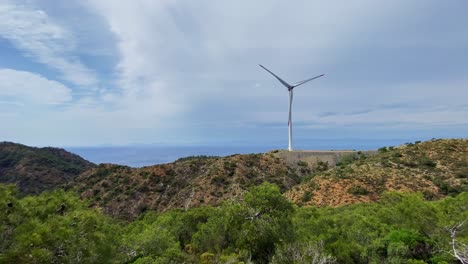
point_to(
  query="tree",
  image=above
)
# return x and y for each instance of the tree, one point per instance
(58, 227)
(296, 253)
(268, 214)
(152, 239)
(253, 224)
(459, 250)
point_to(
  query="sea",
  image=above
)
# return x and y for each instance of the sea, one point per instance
(146, 155)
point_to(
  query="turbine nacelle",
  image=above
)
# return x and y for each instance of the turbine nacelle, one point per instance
(287, 85)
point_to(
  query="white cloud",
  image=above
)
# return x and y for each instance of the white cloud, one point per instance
(21, 87)
(188, 55)
(187, 70)
(198, 61)
(36, 34)
(224, 41)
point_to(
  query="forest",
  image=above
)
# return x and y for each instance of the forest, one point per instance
(259, 226)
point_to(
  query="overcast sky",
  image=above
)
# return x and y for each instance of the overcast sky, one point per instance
(83, 73)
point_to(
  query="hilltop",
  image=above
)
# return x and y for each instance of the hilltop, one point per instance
(34, 170)
(436, 168)
(188, 182)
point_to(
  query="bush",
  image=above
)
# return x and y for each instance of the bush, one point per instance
(207, 258)
(306, 196)
(357, 190)
(428, 163)
(347, 159)
(321, 166)
(382, 149)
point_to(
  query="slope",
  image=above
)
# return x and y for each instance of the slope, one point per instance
(436, 168)
(126, 192)
(34, 170)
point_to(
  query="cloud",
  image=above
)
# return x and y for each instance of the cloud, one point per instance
(39, 37)
(178, 71)
(19, 87)
(410, 105)
(192, 55)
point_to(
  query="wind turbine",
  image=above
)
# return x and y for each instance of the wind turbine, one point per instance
(290, 89)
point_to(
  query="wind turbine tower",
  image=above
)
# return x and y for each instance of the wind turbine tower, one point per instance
(290, 90)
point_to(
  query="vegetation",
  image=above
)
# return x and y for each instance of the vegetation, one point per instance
(125, 192)
(237, 209)
(347, 159)
(53, 227)
(436, 168)
(37, 169)
(260, 226)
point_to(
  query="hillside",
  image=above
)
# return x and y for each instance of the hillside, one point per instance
(436, 168)
(188, 182)
(37, 169)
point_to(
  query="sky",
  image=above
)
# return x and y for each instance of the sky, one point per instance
(107, 72)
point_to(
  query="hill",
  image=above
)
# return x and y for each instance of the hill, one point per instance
(436, 168)
(258, 225)
(34, 170)
(188, 182)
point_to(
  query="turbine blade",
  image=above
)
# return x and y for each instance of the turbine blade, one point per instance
(279, 79)
(308, 80)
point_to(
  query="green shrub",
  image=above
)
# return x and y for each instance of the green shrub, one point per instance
(382, 149)
(347, 159)
(321, 166)
(207, 258)
(426, 162)
(357, 190)
(306, 196)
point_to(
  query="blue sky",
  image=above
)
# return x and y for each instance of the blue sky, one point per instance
(96, 72)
